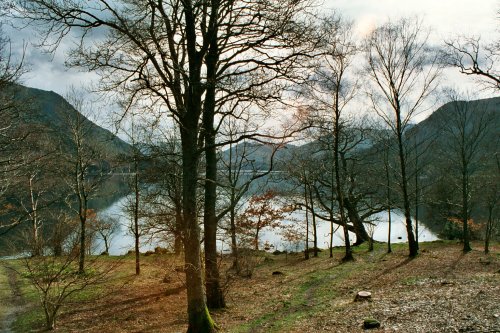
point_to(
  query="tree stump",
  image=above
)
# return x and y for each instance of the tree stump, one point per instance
(363, 296)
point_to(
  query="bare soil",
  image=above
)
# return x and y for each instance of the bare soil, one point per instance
(442, 290)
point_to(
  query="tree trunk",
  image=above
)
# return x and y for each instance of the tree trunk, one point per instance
(215, 296)
(199, 320)
(340, 193)
(315, 230)
(465, 210)
(359, 228)
(136, 217)
(412, 244)
(306, 252)
(489, 228)
(256, 239)
(81, 261)
(106, 244)
(178, 230)
(234, 243)
(388, 194)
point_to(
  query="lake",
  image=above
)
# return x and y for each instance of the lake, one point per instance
(122, 240)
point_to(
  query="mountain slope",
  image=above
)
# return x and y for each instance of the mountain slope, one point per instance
(54, 115)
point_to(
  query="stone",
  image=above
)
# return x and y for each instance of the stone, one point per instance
(370, 323)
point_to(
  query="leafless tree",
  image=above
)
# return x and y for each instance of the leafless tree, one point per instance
(491, 202)
(133, 204)
(57, 280)
(472, 57)
(179, 54)
(239, 171)
(163, 193)
(404, 72)
(465, 126)
(105, 227)
(84, 165)
(11, 131)
(331, 90)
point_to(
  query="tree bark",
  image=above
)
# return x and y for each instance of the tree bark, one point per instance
(412, 244)
(359, 228)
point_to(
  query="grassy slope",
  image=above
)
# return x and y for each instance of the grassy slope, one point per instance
(440, 291)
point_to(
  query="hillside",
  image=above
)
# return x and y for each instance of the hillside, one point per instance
(52, 113)
(442, 290)
(38, 151)
(427, 128)
(430, 127)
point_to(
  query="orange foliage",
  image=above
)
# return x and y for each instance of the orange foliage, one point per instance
(473, 226)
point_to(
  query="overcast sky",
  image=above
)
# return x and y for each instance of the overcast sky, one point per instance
(446, 18)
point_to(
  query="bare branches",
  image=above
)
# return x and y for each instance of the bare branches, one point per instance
(476, 59)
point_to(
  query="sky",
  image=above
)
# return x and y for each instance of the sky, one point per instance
(445, 18)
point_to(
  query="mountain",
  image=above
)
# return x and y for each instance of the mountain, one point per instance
(447, 114)
(53, 115)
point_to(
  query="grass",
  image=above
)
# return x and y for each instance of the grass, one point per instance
(5, 292)
(32, 317)
(308, 296)
(310, 293)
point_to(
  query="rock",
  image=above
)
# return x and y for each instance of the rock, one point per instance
(160, 250)
(363, 296)
(370, 323)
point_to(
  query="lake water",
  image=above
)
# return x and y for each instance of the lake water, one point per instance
(122, 240)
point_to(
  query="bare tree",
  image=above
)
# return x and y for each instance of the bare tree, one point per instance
(404, 71)
(11, 131)
(471, 57)
(84, 166)
(169, 53)
(163, 194)
(465, 126)
(105, 227)
(133, 204)
(491, 203)
(239, 172)
(57, 280)
(331, 91)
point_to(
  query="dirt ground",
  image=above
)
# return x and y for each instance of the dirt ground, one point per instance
(442, 290)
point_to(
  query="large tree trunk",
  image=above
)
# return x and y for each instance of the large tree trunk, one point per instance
(199, 320)
(198, 317)
(359, 228)
(215, 296)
